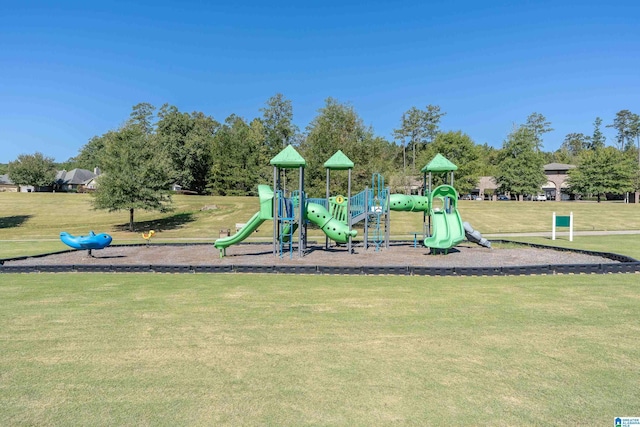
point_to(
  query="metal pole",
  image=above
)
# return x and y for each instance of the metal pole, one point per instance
(429, 219)
(366, 218)
(349, 211)
(424, 213)
(326, 238)
(275, 209)
(553, 227)
(301, 233)
(387, 221)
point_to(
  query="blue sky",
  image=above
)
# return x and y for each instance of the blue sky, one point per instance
(70, 70)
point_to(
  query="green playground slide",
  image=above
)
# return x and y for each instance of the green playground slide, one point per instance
(447, 228)
(333, 228)
(315, 213)
(242, 234)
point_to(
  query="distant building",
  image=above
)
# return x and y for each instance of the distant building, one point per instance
(486, 183)
(74, 180)
(6, 185)
(557, 182)
(9, 186)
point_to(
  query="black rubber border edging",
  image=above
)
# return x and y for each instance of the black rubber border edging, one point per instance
(624, 264)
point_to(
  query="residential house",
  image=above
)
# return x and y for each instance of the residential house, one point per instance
(73, 180)
(6, 185)
(90, 185)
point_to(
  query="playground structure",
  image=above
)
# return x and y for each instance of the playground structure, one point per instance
(292, 211)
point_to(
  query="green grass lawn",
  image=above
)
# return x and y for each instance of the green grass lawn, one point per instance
(516, 217)
(621, 244)
(119, 349)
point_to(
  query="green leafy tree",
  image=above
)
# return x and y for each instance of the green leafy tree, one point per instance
(538, 125)
(562, 155)
(635, 182)
(32, 169)
(488, 159)
(187, 141)
(336, 127)
(90, 155)
(574, 143)
(598, 139)
(142, 115)
(520, 168)
(4, 167)
(460, 149)
(136, 175)
(239, 157)
(624, 124)
(634, 132)
(277, 119)
(370, 154)
(602, 171)
(627, 124)
(417, 128)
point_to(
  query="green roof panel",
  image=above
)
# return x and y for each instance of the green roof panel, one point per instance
(288, 158)
(339, 161)
(439, 164)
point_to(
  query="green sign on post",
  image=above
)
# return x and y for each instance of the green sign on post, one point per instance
(562, 221)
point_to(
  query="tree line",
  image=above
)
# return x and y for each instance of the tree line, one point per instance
(155, 148)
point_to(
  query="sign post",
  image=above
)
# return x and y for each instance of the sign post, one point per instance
(562, 221)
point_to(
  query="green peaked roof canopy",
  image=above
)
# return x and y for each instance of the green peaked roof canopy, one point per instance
(339, 161)
(439, 164)
(288, 158)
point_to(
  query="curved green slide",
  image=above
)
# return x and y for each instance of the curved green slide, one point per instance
(315, 213)
(251, 225)
(330, 226)
(265, 194)
(447, 228)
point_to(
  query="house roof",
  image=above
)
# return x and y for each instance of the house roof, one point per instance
(558, 166)
(4, 180)
(74, 176)
(339, 161)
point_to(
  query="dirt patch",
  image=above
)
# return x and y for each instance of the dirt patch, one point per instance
(398, 254)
